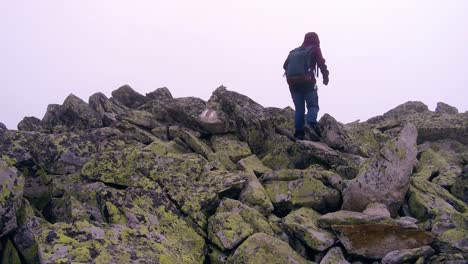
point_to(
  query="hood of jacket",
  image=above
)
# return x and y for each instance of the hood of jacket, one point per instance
(311, 39)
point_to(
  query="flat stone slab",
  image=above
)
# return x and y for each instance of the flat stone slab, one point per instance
(377, 240)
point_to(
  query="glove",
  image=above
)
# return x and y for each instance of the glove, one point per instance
(325, 80)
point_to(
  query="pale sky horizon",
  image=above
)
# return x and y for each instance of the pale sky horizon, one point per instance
(380, 53)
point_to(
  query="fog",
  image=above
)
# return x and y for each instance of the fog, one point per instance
(379, 53)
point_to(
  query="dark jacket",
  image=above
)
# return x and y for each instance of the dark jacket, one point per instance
(312, 39)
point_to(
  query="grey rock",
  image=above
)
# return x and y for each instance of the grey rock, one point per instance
(186, 111)
(214, 121)
(407, 255)
(254, 195)
(408, 108)
(30, 123)
(345, 164)
(160, 94)
(309, 192)
(384, 179)
(101, 104)
(302, 223)
(11, 192)
(378, 210)
(351, 218)
(2, 126)
(262, 248)
(233, 222)
(252, 122)
(74, 114)
(129, 97)
(336, 136)
(334, 256)
(377, 240)
(443, 108)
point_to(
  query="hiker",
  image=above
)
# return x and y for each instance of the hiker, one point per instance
(300, 69)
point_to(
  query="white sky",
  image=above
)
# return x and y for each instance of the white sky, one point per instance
(380, 53)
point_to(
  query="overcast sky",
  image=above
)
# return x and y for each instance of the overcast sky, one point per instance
(380, 53)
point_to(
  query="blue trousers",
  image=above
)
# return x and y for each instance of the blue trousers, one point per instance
(304, 95)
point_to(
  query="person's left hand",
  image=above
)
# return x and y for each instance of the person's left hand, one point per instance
(325, 80)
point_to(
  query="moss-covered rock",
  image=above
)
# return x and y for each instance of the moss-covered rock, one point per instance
(255, 196)
(230, 145)
(430, 201)
(407, 255)
(441, 162)
(253, 163)
(154, 230)
(11, 192)
(262, 248)
(302, 223)
(10, 255)
(385, 178)
(308, 192)
(351, 218)
(334, 256)
(249, 215)
(115, 167)
(228, 230)
(190, 138)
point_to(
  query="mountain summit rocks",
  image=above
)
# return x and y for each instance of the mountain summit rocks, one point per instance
(155, 179)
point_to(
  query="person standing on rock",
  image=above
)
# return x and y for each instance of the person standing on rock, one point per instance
(300, 69)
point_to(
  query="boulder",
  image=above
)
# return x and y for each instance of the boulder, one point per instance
(252, 122)
(336, 136)
(282, 119)
(155, 230)
(377, 240)
(309, 192)
(101, 104)
(263, 248)
(186, 111)
(430, 201)
(191, 139)
(2, 126)
(302, 224)
(433, 127)
(230, 145)
(316, 152)
(254, 195)
(441, 162)
(408, 108)
(74, 114)
(443, 108)
(384, 179)
(11, 192)
(233, 222)
(253, 163)
(214, 120)
(281, 153)
(377, 210)
(352, 218)
(10, 255)
(30, 123)
(129, 97)
(460, 187)
(407, 255)
(141, 119)
(160, 94)
(334, 256)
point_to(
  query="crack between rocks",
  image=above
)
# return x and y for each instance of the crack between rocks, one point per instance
(177, 205)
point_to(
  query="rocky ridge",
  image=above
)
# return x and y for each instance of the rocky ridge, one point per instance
(155, 179)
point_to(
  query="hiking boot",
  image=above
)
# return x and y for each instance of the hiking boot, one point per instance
(311, 132)
(299, 135)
